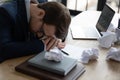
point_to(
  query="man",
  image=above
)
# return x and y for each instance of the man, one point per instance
(27, 27)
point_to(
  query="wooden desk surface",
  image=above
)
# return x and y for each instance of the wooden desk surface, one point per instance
(95, 70)
(99, 69)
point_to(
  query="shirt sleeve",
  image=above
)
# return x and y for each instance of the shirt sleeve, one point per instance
(10, 48)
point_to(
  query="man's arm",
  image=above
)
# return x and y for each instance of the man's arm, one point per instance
(9, 47)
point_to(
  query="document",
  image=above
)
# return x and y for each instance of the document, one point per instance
(74, 51)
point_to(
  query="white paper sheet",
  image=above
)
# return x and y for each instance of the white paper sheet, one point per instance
(74, 51)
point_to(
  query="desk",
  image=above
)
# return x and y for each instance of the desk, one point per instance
(95, 70)
(99, 69)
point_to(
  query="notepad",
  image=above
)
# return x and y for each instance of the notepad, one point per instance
(74, 74)
(74, 51)
(61, 68)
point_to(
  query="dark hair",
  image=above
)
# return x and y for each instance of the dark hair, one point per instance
(57, 14)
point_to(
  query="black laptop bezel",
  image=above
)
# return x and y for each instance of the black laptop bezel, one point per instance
(101, 28)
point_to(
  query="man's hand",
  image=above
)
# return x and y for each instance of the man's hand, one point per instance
(52, 42)
(60, 44)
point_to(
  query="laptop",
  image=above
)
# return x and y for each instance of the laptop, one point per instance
(87, 26)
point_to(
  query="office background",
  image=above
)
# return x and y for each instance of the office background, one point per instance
(77, 6)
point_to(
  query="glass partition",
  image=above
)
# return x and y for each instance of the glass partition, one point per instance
(115, 4)
(76, 6)
(82, 5)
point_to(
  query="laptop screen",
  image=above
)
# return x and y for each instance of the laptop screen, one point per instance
(105, 19)
(119, 24)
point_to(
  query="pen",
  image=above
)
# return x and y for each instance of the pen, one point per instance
(64, 52)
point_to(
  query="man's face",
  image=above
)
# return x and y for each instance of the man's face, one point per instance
(42, 29)
(37, 24)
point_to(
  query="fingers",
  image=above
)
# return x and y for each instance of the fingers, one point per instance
(46, 41)
(50, 43)
(61, 44)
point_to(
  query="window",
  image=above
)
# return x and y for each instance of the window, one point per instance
(82, 5)
(77, 6)
(115, 4)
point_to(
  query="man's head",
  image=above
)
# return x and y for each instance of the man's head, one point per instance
(55, 19)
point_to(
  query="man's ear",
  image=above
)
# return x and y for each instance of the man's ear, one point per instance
(41, 13)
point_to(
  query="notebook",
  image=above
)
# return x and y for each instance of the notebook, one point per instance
(62, 68)
(74, 74)
(83, 29)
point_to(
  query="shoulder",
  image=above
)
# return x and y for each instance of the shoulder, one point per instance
(9, 8)
(14, 8)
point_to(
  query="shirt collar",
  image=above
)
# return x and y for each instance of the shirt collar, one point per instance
(27, 4)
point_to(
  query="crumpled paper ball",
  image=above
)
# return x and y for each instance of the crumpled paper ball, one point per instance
(90, 54)
(113, 54)
(54, 54)
(108, 39)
